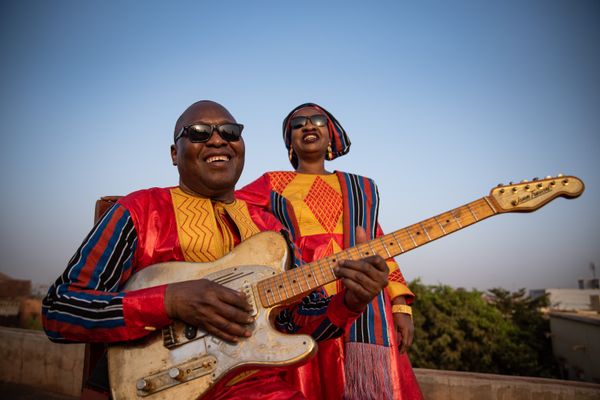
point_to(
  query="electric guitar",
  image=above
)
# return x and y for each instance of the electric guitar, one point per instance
(182, 362)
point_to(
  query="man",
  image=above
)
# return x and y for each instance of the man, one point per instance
(199, 220)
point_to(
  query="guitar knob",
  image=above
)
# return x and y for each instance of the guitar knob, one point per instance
(190, 332)
(142, 385)
(175, 373)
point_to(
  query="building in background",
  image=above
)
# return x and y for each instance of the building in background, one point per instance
(575, 328)
(18, 307)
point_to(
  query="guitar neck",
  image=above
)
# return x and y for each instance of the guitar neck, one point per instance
(293, 284)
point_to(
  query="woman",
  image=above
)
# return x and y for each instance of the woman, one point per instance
(322, 211)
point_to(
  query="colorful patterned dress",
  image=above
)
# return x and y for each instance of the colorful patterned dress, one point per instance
(322, 212)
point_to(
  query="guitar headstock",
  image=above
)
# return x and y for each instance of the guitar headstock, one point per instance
(530, 195)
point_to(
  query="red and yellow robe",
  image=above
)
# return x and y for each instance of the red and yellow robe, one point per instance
(321, 212)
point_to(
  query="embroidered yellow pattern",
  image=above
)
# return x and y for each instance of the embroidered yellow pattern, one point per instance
(203, 232)
(317, 203)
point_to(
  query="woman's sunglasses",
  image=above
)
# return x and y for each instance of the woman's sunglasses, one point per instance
(316, 120)
(200, 133)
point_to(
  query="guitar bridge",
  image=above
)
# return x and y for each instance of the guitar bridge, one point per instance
(176, 375)
(169, 337)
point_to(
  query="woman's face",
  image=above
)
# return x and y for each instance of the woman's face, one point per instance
(310, 136)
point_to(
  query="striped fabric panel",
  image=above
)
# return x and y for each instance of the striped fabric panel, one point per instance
(86, 295)
(284, 213)
(361, 208)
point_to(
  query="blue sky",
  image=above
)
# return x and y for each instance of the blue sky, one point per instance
(442, 101)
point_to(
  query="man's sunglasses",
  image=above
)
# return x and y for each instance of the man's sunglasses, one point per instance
(200, 133)
(316, 120)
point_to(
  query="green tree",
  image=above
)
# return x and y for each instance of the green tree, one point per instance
(533, 329)
(461, 330)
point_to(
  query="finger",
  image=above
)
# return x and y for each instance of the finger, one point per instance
(360, 235)
(360, 279)
(226, 330)
(404, 343)
(370, 263)
(232, 313)
(359, 291)
(410, 336)
(233, 297)
(369, 266)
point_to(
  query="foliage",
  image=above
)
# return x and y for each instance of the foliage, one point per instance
(462, 330)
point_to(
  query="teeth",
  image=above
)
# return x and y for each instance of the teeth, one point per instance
(310, 137)
(217, 158)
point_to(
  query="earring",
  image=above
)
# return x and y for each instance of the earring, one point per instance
(291, 154)
(329, 152)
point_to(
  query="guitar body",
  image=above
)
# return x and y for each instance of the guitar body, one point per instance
(179, 362)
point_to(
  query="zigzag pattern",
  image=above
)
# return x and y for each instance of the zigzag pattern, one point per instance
(238, 211)
(196, 228)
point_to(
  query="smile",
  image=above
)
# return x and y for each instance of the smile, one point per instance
(214, 159)
(310, 138)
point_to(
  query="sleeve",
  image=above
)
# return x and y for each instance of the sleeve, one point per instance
(256, 193)
(318, 316)
(86, 303)
(397, 284)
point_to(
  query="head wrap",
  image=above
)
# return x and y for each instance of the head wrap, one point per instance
(340, 142)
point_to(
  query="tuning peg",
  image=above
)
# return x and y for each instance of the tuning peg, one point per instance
(500, 185)
(524, 181)
(536, 179)
(560, 175)
(510, 183)
(548, 177)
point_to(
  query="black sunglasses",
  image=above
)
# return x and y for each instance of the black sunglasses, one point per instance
(316, 120)
(200, 133)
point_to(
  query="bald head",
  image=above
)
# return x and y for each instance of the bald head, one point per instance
(201, 111)
(209, 168)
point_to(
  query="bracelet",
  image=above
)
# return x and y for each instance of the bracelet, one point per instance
(401, 308)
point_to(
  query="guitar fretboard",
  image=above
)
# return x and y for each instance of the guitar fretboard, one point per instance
(293, 284)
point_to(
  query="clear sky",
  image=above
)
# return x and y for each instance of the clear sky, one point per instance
(442, 101)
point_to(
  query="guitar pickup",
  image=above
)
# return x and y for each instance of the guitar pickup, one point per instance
(247, 289)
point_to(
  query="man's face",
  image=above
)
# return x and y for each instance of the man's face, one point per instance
(210, 169)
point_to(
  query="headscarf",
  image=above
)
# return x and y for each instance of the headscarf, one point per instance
(340, 142)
